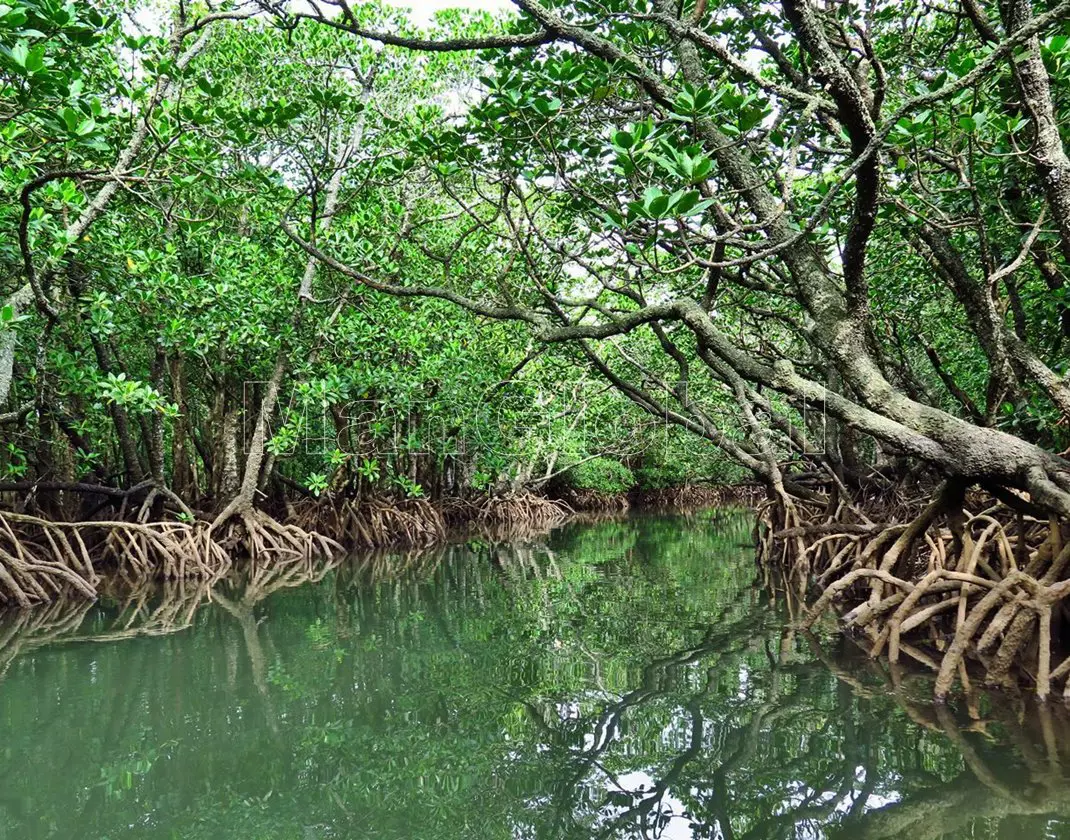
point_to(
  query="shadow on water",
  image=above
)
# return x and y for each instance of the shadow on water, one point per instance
(613, 679)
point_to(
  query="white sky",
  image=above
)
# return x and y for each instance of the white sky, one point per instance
(422, 10)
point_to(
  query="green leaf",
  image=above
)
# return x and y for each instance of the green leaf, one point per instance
(623, 139)
(701, 207)
(20, 53)
(35, 59)
(658, 206)
(13, 17)
(682, 202)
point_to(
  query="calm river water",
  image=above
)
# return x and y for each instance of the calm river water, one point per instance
(615, 680)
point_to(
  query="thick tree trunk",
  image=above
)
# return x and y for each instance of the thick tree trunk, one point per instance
(229, 478)
(181, 478)
(156, 432)
(953, 445)
(257, 444)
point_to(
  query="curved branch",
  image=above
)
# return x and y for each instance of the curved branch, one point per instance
(490, 42)
(501, 313)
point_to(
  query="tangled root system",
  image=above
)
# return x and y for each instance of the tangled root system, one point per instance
(41, 560)
(594, 501)
(369, 523)
(959, 585)
(690, 496)
(266, 541)
(522, 509)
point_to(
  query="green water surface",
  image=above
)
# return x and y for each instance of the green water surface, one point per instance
(612, 680)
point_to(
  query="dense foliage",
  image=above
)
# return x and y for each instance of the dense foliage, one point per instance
(809, 235)
(151, 296)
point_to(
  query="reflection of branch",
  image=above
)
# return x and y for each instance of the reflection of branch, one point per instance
(264, 580)
(937, 812)
(726, 637)
(941, 809)
(645, 805)
(59, 621)
(243, 614)
(30, 629)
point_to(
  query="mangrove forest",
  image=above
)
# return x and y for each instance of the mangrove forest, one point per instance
(540, 418)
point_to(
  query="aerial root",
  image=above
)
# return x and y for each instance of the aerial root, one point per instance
(369, 523)
(40, 560)
(267, 542)
(956, 590)
(685, 496)
(594, 501)
(522, 509)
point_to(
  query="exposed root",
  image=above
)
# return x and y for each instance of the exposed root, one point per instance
(699, 496)
(458, 510)
(954, 589)
(594, 501)
(369, 523)
(41, 560)
(522, 509)
(266, 541)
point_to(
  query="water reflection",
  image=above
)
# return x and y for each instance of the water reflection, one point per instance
(612, 680)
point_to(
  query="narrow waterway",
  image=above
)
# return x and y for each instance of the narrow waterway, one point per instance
(612, 680)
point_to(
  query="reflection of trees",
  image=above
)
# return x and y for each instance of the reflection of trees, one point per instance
(1036, 786)
(723, 775)
(146, 610)
(25, 630)
(593, 683)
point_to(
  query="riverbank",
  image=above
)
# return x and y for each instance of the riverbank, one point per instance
(969, 586)
(42, 560)
(682, 497)
(965, 596)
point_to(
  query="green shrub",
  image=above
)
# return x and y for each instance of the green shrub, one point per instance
(602, 474)
(661, 473)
